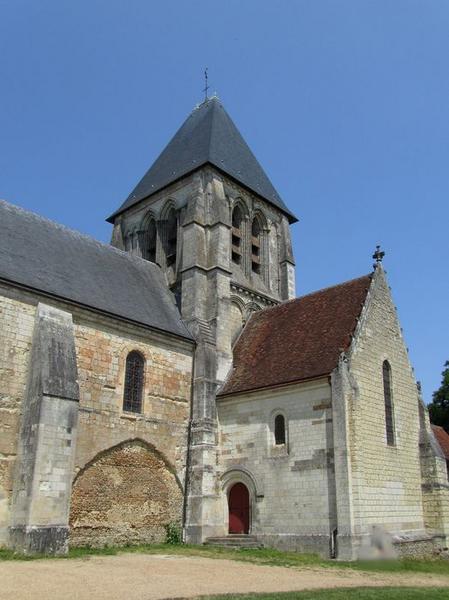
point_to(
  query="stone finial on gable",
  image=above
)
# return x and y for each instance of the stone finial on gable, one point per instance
(378, 256)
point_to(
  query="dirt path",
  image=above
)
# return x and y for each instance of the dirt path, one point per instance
(150, 577)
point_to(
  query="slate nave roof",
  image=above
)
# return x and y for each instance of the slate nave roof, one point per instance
(50, 258)
(207, 136)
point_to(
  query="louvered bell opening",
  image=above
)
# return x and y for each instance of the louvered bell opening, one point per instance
(255, 247)
(236, 245)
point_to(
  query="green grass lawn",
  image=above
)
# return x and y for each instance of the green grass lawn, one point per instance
(264, 556)
(346, 594)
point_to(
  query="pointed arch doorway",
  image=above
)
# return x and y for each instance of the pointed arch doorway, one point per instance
(239, 509)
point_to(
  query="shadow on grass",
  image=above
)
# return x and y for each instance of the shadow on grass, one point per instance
(345, 594)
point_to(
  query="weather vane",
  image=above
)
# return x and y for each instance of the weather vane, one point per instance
(378, 256)
(206, 85)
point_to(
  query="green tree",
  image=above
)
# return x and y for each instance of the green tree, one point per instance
(439, 407)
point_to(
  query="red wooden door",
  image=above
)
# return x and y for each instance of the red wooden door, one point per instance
(238, 509)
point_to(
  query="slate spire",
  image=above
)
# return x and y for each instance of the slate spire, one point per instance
(207, 136)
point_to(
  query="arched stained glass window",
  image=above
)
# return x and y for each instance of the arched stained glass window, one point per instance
(132, 395)
(279, 430)
(388, 399)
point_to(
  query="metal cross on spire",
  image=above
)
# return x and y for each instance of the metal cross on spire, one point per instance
(206, 85)
(378, 256)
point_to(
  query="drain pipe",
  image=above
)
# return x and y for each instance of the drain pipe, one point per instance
(333, 543)
(188, 457)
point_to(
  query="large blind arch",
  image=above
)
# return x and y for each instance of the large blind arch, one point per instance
(133, 384)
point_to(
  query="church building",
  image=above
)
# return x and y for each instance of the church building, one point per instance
(173, 379)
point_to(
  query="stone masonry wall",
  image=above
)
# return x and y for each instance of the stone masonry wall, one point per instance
(162, 425)
(102, 345)
(292, 486)
(386, 480)
(48, 432)
(16, 331)
(102, 351)
(279, 263)
(435, 483)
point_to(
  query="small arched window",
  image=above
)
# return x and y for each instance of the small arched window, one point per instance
(151, 241)
(171, 237)
(279, 430)
(388, 400)
(237, 235)
(255, 245)
(132, 395)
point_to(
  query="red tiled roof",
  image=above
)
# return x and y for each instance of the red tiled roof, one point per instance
(442, 439)
(297, 340)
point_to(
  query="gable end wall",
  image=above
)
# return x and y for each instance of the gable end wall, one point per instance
(386, 480)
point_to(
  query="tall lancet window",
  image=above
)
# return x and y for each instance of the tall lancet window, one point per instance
(388, 399)
(132, 395)
(151, 239)
(171, 237)
(237, 236)
(255, 245)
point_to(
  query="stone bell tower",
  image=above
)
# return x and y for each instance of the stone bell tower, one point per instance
(209, 216)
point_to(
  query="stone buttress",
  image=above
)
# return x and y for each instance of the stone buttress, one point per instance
(44, 469)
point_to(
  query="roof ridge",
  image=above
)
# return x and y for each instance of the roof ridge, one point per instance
(303, 341)
(211, 129)
(325, 289)
(211, 100)
(73, 232)
(75, 267)
(336, 285)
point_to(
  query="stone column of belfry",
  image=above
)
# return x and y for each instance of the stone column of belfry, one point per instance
(46, 447)
(287, 262)
(205, 308)
(118, 240)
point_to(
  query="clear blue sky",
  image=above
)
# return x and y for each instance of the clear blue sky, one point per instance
(345, 103)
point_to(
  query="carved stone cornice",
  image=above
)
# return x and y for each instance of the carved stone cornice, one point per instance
(253, 295)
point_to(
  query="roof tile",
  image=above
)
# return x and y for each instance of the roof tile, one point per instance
(298, 340)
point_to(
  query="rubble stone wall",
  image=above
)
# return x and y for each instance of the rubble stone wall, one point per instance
(128, 495)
